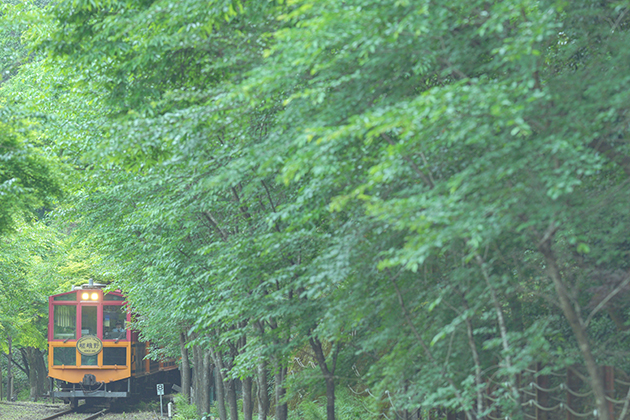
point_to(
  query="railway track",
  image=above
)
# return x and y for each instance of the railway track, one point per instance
(24, 410)
(91, 416)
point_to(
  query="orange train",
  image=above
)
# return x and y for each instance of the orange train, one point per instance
(91, 352)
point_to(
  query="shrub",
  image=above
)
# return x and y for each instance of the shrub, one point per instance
(183, 409)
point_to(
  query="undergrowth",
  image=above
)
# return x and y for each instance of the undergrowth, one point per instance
(347, 407)
(183, 409)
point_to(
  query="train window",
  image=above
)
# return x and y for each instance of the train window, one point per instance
(89, 360)
(113, 297)
(65, 326)
(114, 322)
(88, 320)
(66, 297)
(64, 356)
(114, 356)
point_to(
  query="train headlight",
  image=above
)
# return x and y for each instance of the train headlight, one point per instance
(94, 296)
(85, 296)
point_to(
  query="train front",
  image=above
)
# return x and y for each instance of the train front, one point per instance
(89, 346)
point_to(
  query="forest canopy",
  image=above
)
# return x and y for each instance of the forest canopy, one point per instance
(427, 201)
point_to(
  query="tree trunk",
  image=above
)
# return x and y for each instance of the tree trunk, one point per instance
(329, 374)
(43, 384)
(201, 392)
(1, 381)
(36, 371)
(201, 380)
(282, 410)
(185, 367)
(517, 413)
(478, 371)
(475, 354)
(196, 378)
(204, 390)
(231, 399)
(30, 360)
(248, 400)
(579, 330)
(330, 398)
(9, 374)
(262, 391)
(218, 383)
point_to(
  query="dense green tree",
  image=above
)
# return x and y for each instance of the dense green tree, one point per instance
(28, 261)
(28, 177)
(404, 182)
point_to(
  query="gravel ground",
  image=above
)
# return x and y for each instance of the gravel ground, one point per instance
(36, 411)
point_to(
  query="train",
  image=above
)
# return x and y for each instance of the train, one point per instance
(93, 355)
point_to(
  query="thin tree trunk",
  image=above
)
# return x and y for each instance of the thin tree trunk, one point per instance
(197, 367)
(204, 392)
(231, 398)
(572, 315)
(281, 407)
(504, 336)
(248, 401)
(478, 371)
(30, 361)
(42, 374)
(262, 391)
(185, 367)
(330, 398)
(218, 383)
(9, 373)
(1, 382)
(329, 374)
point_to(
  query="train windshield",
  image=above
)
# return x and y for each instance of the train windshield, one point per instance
(88, 320)
(65, 326)
(114, 320)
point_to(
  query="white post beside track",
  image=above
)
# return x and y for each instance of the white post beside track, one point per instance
(160, 392)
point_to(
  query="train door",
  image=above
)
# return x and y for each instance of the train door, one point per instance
(90, 322)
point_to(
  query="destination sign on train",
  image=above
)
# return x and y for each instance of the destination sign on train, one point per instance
(89, 345)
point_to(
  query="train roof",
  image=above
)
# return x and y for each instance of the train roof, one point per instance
(89, 286)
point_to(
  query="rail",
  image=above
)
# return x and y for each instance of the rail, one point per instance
(92, 416)
(59, 414)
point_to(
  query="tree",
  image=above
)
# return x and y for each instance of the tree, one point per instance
(28, 260)
(28, 178)
(423, 175)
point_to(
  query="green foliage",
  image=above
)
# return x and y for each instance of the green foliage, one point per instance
(348, 407)
(28, 261)
(27, 181)
(183, 409)
(310, 410)
(382, 177)
(29, 178)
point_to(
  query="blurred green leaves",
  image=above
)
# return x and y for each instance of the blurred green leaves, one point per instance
(287, 170)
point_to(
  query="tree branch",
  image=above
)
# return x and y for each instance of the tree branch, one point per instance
(242, 207)
(415, 167)
(576, 323)
(16, 363)
(606, 300)
(215, 224)
(273, 207)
